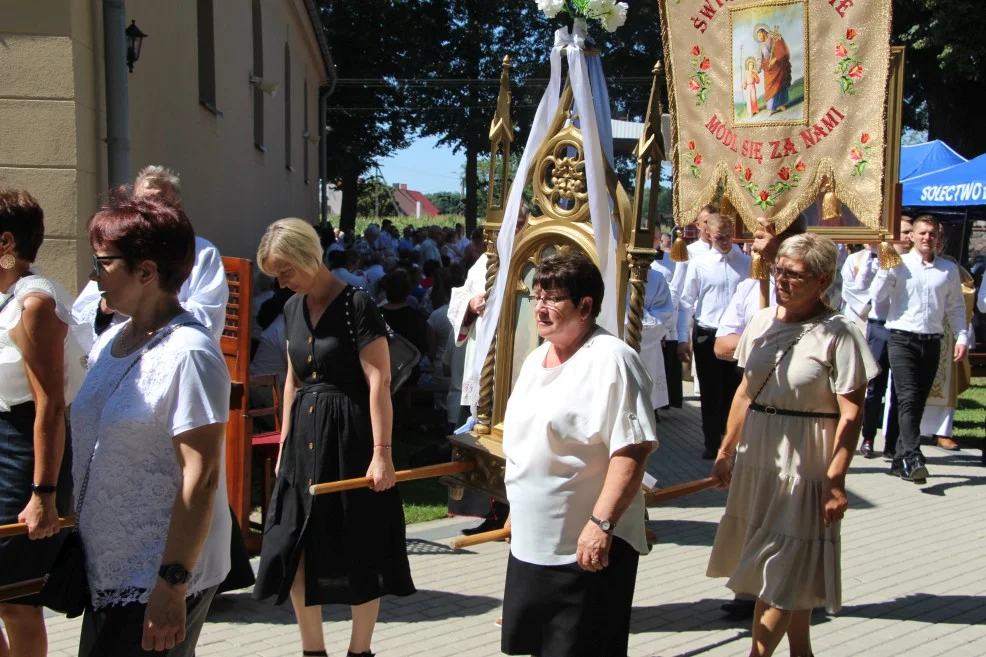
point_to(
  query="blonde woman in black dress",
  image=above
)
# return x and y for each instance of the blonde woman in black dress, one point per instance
(345, 548)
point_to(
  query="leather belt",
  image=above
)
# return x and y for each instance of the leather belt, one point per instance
(770, 410)
(921, 337)
(878, 322)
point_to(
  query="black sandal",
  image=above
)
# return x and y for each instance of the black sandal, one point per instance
(350, 653)
(314, 653)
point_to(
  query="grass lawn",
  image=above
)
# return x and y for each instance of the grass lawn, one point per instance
(969, 416)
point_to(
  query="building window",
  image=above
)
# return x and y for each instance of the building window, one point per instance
(258, 71)
(306, 135)
(287, 108)
(207, 57)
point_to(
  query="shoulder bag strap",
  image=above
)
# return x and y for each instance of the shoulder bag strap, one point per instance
(143, 352)
(787, 351)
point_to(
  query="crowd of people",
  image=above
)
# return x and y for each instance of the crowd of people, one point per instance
(139, 459)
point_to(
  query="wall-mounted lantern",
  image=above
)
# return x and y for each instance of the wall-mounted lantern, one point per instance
(135, 38)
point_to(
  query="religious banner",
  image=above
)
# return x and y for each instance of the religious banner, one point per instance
(774, 103)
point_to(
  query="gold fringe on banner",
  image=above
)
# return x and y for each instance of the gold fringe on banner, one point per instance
(760, 268)
(679, 250)
(889, 258)
(726, 208)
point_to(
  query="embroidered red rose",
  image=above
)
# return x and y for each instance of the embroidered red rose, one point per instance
(706, 64)
(856, 71)
(800, 166)
(694, 85)
(840, 51)
(855, 155)
(865, 138)
(691, 145)
(696, 51)
(784, 173)
(697, 160)
(851, 34)
(764, 195)
(738, 168)
(749, 174)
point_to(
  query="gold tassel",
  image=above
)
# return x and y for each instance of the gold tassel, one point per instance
(726, 208)
(759, 268)
(679, 250)
(831, 207)
(889, 258)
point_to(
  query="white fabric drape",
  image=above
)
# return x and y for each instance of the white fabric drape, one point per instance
(573, 42)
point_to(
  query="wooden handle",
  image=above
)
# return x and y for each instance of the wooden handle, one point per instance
(20, 589)
(478, 539)
(402, 475)
(19, 528)
(680, 490)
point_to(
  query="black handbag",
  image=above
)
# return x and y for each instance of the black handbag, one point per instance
(403, 354)
(66, 587)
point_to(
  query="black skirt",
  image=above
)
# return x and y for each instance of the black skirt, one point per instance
(353, 542)
(564, 611)
(21, 558)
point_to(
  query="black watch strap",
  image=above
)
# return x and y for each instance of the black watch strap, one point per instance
(43, 488)
(174, 574)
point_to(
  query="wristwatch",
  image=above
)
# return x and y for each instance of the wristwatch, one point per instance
(43, 488)
(174, 573)
(604, 525)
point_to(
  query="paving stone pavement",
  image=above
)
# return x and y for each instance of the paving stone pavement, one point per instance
(913, 576)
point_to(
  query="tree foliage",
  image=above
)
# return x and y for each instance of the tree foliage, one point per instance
(448, 202)
(374, 199)
(944, 89)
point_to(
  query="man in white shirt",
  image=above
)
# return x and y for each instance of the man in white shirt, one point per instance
(659, 317)
(922, 292)
(344, 265)
(664, 266)
(709, 284)
(857, 279)
(695, 249)
(429, 247)
(374, 272)
(204, 293)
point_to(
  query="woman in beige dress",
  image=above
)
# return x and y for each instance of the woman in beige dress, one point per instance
(793, 426)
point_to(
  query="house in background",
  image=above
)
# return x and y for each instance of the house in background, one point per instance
(412, 203)
(224, 91)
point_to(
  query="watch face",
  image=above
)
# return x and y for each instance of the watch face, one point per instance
(174, 574)
(605, 525)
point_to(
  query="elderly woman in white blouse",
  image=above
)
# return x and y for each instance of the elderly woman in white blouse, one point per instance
(40, 371)
(578, 431)
(148, 429)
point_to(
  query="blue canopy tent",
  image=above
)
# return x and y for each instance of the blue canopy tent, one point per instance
(920, 159)
(961, 185)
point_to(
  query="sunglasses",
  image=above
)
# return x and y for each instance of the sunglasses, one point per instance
(97, 263)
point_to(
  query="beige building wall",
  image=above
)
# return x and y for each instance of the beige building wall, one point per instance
(53, 118)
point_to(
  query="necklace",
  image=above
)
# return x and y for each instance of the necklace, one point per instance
(141, 337)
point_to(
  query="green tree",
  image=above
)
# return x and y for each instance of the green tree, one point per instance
(447, 202)
(370, 47)
(373, 199)
(944, 89)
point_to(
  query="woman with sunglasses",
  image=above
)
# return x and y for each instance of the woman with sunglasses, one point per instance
(793, 428)
(578, 430)
(41, 368)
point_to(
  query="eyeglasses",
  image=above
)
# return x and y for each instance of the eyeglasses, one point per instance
(549, 302)
(97, 263)
(789, 274)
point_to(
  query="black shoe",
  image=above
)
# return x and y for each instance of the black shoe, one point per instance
(487, 525)
(709, 454)
(738, 609)
(866, 449)
(913, 469)
(896, 467)
(888, 455)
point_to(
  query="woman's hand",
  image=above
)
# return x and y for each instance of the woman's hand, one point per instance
(834, 501)
(40, 515)
(477, 305)
(722, 470)
(381, 471)
(164, 618)
(593, 551)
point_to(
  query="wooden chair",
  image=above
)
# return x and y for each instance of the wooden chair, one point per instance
(266, 443)
(235, 345)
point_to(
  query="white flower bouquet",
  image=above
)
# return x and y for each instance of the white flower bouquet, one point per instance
(610, 13)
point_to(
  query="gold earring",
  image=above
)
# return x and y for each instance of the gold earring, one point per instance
(7, 261)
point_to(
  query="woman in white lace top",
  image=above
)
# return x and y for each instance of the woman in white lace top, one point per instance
(40, 371)
(148, 430)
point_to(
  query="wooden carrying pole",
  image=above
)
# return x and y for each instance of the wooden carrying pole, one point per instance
(654, 497)
(21, 589)
(426, 472)
(20, 528)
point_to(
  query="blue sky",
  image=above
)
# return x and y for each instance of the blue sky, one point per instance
(425, 167)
